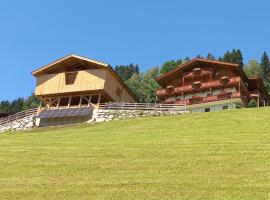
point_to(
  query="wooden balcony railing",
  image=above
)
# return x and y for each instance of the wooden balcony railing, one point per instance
(143, 106)
(221, 96)
(205, 85)
(17, 116)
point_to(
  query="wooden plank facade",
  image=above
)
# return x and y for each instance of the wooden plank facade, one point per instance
(78, 81)
(206, 85)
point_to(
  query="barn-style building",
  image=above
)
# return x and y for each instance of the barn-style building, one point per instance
(72, 85)
(207, 85)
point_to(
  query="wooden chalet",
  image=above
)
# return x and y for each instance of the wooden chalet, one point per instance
(207, 85)
(77, 82)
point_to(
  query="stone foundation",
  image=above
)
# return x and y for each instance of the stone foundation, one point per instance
(108, 115)
(19, 125)
(98, 116)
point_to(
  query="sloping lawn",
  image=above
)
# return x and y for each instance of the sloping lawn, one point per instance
(222, 155)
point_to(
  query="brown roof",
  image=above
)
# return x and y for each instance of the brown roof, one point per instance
(198, 61)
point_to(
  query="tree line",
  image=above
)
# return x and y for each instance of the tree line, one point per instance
(19, 104)
(143, 84)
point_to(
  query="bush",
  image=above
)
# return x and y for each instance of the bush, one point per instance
(252, 104)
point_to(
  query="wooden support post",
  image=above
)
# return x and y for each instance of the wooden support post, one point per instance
(40, 105)
(89, 100)
(258, 101)
(50, 101)
(69, 101)
(99, 98)
(58, 102)
(80, 104)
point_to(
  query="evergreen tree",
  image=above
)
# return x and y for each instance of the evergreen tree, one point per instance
(220, 58)
(210, 56)
(234, 57)
(169, 66)
(186, 59)
(239, 58)
(126, 71)
(4, 107)
(227, 57)
(17, 105)
(265, 69)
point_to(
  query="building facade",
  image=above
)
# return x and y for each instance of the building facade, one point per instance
(72, 85)
(206, 85)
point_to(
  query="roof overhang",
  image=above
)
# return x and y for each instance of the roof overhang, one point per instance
(197, 62)
(53, 64)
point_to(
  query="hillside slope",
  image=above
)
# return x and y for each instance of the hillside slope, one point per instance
(223, 155)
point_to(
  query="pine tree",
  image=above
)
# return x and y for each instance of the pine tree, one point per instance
(126, 71)
(210, 56)
(265, 69)
(238, 58)
(234, 57)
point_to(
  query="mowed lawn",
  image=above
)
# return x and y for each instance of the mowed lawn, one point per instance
(222, 155)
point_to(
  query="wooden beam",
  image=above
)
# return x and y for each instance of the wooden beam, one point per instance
(58, 102)
(89, 100)
(69, 101)
(99, 98)
(40, 105)
(80, 104)
(50, 100)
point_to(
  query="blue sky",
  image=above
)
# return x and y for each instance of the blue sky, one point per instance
(145, 32)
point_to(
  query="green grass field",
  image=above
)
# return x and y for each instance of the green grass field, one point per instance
(222, 155)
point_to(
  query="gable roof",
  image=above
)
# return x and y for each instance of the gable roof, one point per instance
(198, 62)
(52, 65)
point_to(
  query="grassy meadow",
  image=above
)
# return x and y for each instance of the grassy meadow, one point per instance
(222, 155)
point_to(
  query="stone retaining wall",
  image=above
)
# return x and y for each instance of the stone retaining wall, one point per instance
(108, 115)
(19, 125)
(98, 116)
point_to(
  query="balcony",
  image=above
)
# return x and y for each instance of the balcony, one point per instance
(219, 97)
(204, 85)
(198, 72)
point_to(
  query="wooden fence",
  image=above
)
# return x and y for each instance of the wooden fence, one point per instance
(143, 106)
(19, 115)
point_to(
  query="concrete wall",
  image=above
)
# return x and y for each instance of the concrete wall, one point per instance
(62, 121)
(214, 108)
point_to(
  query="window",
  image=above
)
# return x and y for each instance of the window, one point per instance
(224, 79)
(207, 110)
(225, 107)
(118, 91)
(70, 78)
